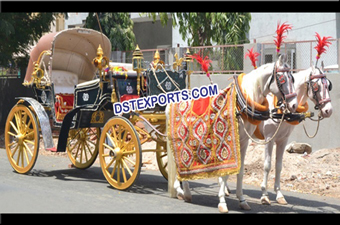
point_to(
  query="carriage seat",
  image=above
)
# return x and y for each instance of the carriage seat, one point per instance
(64, 83)
(63, 104)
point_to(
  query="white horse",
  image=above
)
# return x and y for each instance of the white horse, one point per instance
(310, 83)
(257, 84)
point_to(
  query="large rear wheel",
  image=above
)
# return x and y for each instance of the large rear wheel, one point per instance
(120, 153)
(21, 138)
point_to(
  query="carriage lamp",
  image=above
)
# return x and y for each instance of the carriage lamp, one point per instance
(137, 65)
(137, 60)
(190, 65)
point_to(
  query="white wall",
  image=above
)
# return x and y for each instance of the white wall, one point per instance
(263, 25)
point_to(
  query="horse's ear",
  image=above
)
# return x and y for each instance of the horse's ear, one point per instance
(322, 66)
(282, 59)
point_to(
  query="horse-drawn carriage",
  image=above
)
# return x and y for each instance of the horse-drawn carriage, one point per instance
(75, 87)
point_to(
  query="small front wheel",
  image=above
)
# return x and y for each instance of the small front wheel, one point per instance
(120, 153)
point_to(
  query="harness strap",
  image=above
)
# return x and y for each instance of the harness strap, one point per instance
(291, 118)
(250, 110)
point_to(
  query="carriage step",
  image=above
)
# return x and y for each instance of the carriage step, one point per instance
(51, 149)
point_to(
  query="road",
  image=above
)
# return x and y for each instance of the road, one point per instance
(52, 187)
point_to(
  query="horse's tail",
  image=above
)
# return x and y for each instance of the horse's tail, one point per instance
(171, 160)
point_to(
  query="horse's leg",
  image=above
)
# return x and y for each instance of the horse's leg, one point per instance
(239, 189)
(187, 193)
(179, 191)
(226, 189)
(267, 166)
(222, 206)
(172, 180)
(280, 147)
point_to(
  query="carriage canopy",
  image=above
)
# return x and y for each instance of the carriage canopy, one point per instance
(72, 53)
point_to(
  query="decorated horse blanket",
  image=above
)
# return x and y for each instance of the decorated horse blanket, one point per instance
(204, 136)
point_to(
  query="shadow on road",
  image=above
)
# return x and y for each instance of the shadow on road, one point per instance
(204, 192)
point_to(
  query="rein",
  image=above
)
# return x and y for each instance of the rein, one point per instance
(260, 112)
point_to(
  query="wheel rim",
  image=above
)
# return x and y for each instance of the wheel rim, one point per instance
(162, 158)
(120, 153)
(82, 146)
(21, 138)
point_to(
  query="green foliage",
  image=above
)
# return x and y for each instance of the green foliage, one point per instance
(19, 31)
(201, 29)
(118, 27)
(205, 28)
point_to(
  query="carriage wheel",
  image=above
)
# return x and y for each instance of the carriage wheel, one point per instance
(162, 158)
(82, 146)
(120, 153)
(21, 138)
(161, 154)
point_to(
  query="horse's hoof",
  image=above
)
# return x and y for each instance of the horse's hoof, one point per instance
(180, 195)
(265, 200)
(244, 205)
(222, 207)
(281, 201)
(187, 197)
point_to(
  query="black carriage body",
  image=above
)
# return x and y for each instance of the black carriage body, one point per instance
(44, 96)
(162, 81)
(94, 101)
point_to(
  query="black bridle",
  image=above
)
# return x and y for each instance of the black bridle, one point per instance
(280, 80)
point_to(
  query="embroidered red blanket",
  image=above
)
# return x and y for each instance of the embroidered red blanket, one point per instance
(204, 136)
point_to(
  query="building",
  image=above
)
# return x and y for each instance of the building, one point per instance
(263, 27)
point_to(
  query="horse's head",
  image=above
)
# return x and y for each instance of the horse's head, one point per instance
(281, 84)
(318, 88)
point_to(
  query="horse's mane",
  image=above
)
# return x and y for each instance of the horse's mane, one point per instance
(255, 81)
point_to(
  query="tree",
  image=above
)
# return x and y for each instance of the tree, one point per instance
(19, 31)
(201, 29)
(118, 27)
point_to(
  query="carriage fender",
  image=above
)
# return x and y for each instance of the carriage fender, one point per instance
(43, 120)
(65, 128)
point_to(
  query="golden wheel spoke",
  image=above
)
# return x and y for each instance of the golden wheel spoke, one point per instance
(22, 148)
(108, 146)
(26, 156)
(28, 149)
(114, 169)
(30, 142)
(123, 170)
(10, 133)
(111, 140)
(30, 133)
(14, 127)
(120, 142)
(15, 150)
(126, 166)
(108, 165)
(90, 150)
(81, 153)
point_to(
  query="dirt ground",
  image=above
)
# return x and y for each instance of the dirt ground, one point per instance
(315, 173)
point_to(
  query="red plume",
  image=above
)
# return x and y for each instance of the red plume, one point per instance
(205, 63)
(279, 31)
(252, 56)
(322, 43)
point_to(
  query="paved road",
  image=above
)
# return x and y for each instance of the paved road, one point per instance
(52, 187)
